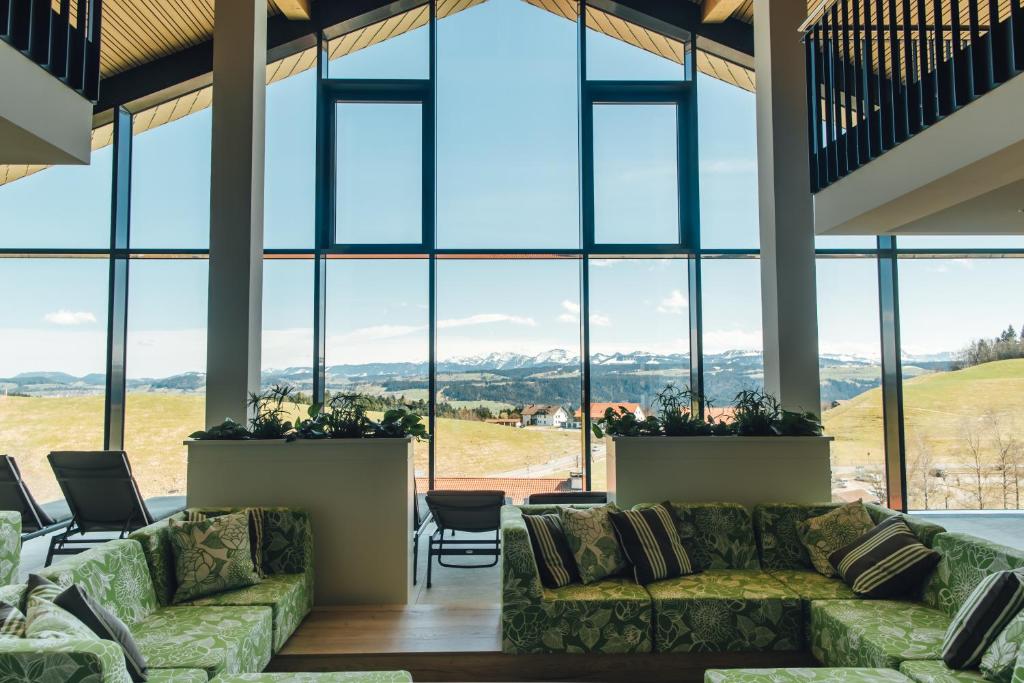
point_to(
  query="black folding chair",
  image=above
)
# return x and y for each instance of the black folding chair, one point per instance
(419, 523)
(568, 498)
(103, 496)
(469, 511)
(36, 519)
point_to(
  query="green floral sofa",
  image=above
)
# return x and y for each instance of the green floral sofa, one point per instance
(235, 632)
(10, 546)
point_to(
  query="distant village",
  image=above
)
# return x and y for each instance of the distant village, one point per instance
(541, 415)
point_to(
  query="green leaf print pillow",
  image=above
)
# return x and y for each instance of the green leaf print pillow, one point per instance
(592, 540)
(212, 555)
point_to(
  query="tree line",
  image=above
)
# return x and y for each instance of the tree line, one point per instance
(1006, 346)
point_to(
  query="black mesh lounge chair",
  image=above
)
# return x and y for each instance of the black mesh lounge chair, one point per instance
(103, 497)
(419, 524)
(568, 498)
(469, 511)
(36, 519)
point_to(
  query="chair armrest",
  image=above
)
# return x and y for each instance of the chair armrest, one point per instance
(63, 659)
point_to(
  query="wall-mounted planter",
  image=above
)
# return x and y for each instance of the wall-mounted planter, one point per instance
(358, 493)
(737, 469)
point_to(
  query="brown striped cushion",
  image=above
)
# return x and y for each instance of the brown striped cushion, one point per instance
(989, 608)
(651, 543)
(551, 550)
(12, 621)
(886, 562)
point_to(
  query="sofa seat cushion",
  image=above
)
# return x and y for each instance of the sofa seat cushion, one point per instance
(804, 675)
(176, 676)
(811, 586)
(936, 671)
(287, 595)
(215, 639)
(876, 633)
(320, 677)
(610, 616)
(725, 610)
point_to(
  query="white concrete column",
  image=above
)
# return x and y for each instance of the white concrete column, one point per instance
(236, 207)
(788, 288)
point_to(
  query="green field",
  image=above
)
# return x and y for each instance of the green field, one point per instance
(941, 408)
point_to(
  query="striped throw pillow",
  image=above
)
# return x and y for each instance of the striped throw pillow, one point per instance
(985, 613)
(651, 542)
(555, 562)
(886, 562)
(12, 621)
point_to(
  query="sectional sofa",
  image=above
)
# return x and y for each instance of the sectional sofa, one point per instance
(10, 546)
(758, 592)
(235, 632)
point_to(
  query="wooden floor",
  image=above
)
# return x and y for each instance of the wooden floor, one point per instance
(438, 643)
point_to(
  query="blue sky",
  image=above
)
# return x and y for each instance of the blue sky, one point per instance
(507, 176)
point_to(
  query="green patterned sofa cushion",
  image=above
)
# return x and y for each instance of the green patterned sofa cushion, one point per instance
(811, 586)
(875, 633)
(966, 560)
(725, 611)
(804, 675)
(286, 594)
(215, 639)
(155, 540)
(319, 677)
(936, 671)
(61, 660)
(609, 616)
(10, 546)
(717, 535)
(114, 574)
(779, 546)
(176, 676)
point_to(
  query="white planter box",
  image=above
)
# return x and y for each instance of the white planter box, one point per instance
(358, 493)
(747, 470)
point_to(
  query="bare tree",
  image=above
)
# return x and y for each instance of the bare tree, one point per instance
(975, 462)
(876, 484)
(919, 468)
(1008, 455)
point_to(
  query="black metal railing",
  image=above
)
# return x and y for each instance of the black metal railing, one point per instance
(881, 71)
(65, 41)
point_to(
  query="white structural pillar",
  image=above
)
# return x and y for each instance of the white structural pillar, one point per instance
(788, 288)
(236, 207)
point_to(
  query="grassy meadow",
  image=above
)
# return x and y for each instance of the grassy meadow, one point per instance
(985, 402)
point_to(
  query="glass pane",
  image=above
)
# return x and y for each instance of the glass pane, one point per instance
(379, 173)
(397, 47)
(507, 128)
(732, 328)
(619, 50)
(378, 336)
(170, 205)
(963, 394)
(60, 206)
(851, 377)
(960, 242)
(639, 340)
(165, 368)
(636, 179)
(508, 383)
(53, 344)
(727, 144)
(290, 173)
(287, 355)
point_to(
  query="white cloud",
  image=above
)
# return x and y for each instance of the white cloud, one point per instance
(568, 318)
(600, 320)
(66, 317)
(674, 304)
(486, 319)
(716, 341)
(375, 332)
(570, 306)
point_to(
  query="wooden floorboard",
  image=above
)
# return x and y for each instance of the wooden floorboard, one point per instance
(438, 643)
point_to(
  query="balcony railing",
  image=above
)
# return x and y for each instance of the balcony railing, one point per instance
(881, 71)
(62, 39)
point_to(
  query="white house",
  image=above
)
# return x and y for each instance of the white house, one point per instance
(544, 416)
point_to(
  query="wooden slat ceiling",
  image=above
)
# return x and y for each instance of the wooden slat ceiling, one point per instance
(188, 23)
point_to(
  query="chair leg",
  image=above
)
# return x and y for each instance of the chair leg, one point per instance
(430, 563)
(415, 555)
(49, 554)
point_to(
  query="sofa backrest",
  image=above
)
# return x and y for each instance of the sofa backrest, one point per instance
(287, 546)
(115, 574)
(718, 535)
(966, 560)
(10, 546)
(779, 547)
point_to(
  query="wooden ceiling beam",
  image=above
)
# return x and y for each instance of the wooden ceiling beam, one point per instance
(717, 11)
(296, 10)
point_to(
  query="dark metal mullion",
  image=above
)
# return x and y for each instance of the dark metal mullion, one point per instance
(887, 132)
(828, 80)
(838, 91)
(900, 125)
(911, 93)
(861, 87)
(945, 92)
(324, 221)
(813, 113)
(430, 241)
(689, 192)
(926, 89)
(849, 83)
(586, 182)
(117, 302)
(892, 374)
(973, 67)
